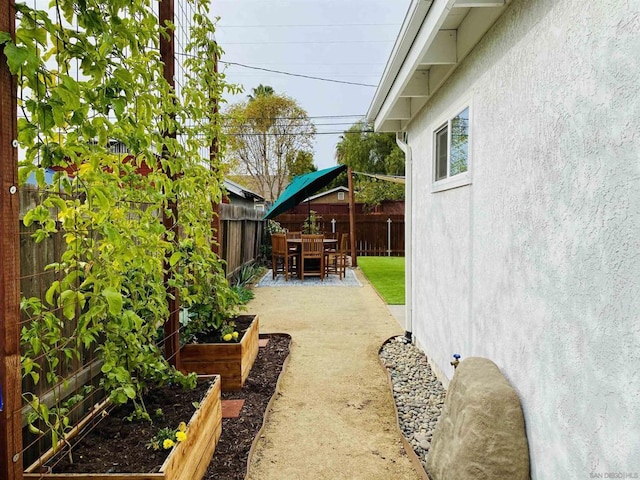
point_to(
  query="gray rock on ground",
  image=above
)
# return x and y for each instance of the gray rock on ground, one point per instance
(481, 433)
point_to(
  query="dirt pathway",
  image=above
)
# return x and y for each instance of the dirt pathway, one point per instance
(334, 417)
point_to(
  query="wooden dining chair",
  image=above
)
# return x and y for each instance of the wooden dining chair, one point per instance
(294, 249)
(283, 260)
(312, 249)
(336, 259)
(343, 252)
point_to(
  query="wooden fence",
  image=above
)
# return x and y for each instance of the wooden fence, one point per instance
(240, 240)
(35, 278)
(377, 234)
(240, 236)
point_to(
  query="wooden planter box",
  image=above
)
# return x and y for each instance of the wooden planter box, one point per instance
(188, 460)
(232, 361)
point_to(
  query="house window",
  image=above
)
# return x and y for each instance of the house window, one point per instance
(452, 147)
(341, 196)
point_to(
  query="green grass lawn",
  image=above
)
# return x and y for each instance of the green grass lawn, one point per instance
(386, 274)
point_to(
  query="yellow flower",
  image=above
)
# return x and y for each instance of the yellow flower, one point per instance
(182, 427)
(167, 444)
(181, 436)
(235, 335)
(227, 337)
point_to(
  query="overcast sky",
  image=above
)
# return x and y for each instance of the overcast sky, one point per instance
(345, 40)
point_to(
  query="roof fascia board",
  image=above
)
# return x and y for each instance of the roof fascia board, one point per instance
(480, 3)
(426, 36)
(410, 27)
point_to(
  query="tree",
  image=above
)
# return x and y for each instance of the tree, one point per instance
(261, 91)
(374, 153)
(269, 135)
(300, 163)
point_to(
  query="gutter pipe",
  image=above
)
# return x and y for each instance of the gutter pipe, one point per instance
(408, 232)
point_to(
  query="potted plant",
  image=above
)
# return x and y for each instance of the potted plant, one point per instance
(310, 225)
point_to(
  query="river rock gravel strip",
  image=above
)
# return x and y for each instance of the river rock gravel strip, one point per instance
(418, 394)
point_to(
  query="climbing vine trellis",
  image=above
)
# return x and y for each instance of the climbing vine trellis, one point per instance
(131, 150)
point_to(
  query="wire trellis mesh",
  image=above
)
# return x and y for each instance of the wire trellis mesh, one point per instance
(63, 237)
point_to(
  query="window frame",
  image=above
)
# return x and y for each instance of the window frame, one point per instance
(444, 122)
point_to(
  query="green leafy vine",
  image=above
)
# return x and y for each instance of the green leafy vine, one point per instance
(90, 77)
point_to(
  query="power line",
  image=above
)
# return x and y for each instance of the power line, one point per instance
(253, 134)
(305, 118)
(334, 116)
(180, 54)
(333, 64)
(312, 25)
(304, 123)
(334, 75)
(299, 75)
(323, 42)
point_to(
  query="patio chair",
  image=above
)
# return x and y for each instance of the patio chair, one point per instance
(336, 260)
(294, 249)
(312, 249)
(283, 260)
(330, 247)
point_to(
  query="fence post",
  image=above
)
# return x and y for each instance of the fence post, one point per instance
(388, 237)
(10, 373)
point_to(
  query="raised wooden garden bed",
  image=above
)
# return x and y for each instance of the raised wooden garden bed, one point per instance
(232, 361)
(188, 460)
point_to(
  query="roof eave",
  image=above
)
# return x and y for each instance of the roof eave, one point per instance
(436, 40)
(413, 19)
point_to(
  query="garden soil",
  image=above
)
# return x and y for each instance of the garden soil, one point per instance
(334, 416)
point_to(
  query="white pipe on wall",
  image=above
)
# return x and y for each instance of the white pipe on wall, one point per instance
(408, 230)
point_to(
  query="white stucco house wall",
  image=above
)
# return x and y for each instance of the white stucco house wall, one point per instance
(520, 121)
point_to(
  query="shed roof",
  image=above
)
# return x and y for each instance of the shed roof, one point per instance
(239, 190)
(327, 192)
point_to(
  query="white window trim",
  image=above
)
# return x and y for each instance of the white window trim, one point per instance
(462, 179)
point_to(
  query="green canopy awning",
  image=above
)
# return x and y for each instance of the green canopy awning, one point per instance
(301, 187)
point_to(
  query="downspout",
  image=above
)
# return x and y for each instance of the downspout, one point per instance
(408, 232)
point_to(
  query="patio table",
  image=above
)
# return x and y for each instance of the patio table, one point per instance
(297, 243)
